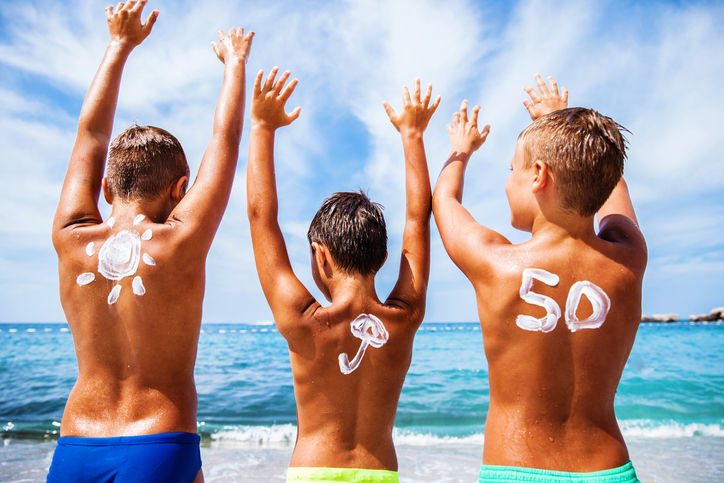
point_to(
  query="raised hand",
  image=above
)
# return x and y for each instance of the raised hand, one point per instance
(124, 25)
(463, 133)
(269, 100)
(415, 114)
(547, 101)
(233, 45)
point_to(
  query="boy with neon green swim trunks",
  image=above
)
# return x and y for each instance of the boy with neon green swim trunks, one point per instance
(555, 357)
(349, 359)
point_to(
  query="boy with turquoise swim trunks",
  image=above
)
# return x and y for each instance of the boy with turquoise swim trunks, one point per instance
(349, 359)
(132, 286)
(555, 357)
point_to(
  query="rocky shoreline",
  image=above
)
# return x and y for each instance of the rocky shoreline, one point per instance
(714, 315)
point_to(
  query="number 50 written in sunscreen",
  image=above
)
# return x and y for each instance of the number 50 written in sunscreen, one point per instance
(595, 294)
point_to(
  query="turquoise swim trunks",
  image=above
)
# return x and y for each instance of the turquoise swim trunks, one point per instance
(498, 474)
(349, 475)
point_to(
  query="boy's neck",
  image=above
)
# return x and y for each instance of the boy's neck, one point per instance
(350, 289)
(563, 224)
(155, 210)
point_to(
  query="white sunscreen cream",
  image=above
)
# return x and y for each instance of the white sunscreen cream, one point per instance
(146, 235)
(372, 332)
(90, 249)
(85, 278)
(119, 255)
(138, 219)
(138, 287)
(553, 311)
(148, 259)
(111, 221)
(599, 300)
(113, 296)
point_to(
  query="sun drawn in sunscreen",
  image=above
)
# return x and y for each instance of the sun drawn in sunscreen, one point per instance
(119, 258)
(372, 332)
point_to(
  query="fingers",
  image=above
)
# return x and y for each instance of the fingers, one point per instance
(531, 109)
(416, 91)
(292, 116)
(388, 109)
(257, 82)
(405, 96)
(428, 96)
(288, 90)
(484, 133)
(109, 12)
(564, 96)
(433, 108)
(456, 119)
(270, 79)
(151, 20)
(532, 93)
(280, 83)
(554, 86)
(541, 85)
(474, 116)
(137, 6)
(464, 111)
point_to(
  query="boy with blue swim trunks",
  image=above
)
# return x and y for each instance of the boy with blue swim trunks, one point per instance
(559, 313)
(349, 359)
(132, 286)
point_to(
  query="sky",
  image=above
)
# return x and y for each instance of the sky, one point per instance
(653, 66)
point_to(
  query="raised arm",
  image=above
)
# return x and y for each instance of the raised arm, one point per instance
(617, 221)
(202, 208)
(285, 294)
(82, 186)
(411, 122)
(460, 233)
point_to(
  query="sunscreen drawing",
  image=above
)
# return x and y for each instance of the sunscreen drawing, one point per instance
(113, 296)
(111, 221)
(138, 219)
(138, 287)
(85, 278)
(90, 249)
(372, 332)
(119, 255)
(146, 235)
(553, 311)
(599, 300)
(148, 259)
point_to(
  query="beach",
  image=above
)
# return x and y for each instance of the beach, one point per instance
(670, 402)
(670, 460)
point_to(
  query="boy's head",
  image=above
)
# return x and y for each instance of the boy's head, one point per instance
(584, 151)
(143, 161)
(353, 229)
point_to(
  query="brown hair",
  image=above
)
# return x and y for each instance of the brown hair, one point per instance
(143, 161)
(584, 150)
(353, 228)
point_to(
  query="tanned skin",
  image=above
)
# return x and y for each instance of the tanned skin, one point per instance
(551, 394)
(136, 357)
(344, 421)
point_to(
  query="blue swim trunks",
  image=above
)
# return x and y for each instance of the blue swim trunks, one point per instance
(500, 474)
(165, 457)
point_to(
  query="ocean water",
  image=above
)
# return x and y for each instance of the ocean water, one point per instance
(670, 401)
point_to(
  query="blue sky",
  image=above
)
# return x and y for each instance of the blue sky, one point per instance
(654, 66)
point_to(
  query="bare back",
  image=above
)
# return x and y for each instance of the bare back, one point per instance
(552, 393)
(350, 415)
(135, 355)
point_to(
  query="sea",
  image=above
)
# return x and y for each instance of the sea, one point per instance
(670, 402)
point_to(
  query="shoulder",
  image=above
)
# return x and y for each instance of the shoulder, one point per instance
(625, 238)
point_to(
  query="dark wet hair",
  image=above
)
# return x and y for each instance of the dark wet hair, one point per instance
(584, 150)
(143, 161)
(353, 229)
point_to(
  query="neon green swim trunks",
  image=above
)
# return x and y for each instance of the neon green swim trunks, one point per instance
(350, 475)
(498, 474)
